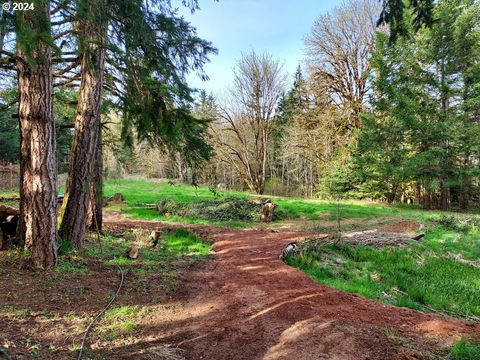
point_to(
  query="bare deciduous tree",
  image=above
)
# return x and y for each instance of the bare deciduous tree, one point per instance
(246, 124)
(338, 50)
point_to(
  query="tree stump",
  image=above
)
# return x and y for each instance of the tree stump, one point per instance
(266, 212)
(133, 252)
(155, 237)
(117, 197)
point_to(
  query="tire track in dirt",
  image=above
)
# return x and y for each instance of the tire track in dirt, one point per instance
(247, 304)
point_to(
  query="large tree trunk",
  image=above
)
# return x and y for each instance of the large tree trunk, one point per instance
(38, 166)
(427, 198)
(87, 127)
(95, 214)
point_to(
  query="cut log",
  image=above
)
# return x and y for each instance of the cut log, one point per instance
(155, 237)
(418, 237)
(117, 197)
(289, 249)
(6, 211)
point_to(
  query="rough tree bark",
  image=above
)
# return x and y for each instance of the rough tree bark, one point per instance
(87, 127)
(38, 165)
(95, 215)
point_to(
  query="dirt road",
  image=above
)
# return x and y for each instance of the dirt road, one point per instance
(246, 304)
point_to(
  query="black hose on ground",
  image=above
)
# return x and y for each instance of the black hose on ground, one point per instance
(90, 326)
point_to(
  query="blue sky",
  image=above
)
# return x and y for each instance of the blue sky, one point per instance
(236, 26)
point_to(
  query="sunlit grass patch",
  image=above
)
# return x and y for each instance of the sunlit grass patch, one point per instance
(120, 321)
(137, 193)
(182, 241)
(143, 191)
(122, 312)
(71, 265)
(420, 276)
(14, 313)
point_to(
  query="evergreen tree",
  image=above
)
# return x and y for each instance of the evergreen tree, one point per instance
(394, 13)
(149, 51)
(92, 38)
(423, 136)
(38, 167)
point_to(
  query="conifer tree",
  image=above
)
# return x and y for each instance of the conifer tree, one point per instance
(423, 138)
(148, 51)
(38, 167)
(92, 29)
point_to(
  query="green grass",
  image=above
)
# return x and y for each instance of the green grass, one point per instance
(421, 276)
(143, 191)
(119, 321)
(465, 350)
(175, 248)
(71, 265)
(122, 312)
(138, 193)
(183, 242)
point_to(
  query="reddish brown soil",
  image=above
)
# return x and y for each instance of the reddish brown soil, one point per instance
(243, 304)
(246, 304)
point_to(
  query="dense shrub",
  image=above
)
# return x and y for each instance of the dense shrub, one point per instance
(462, 223)
(171, 207)
(226, 209)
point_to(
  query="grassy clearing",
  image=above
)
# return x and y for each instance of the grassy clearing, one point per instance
(440, 273)
(143, 191)
(137, 193)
